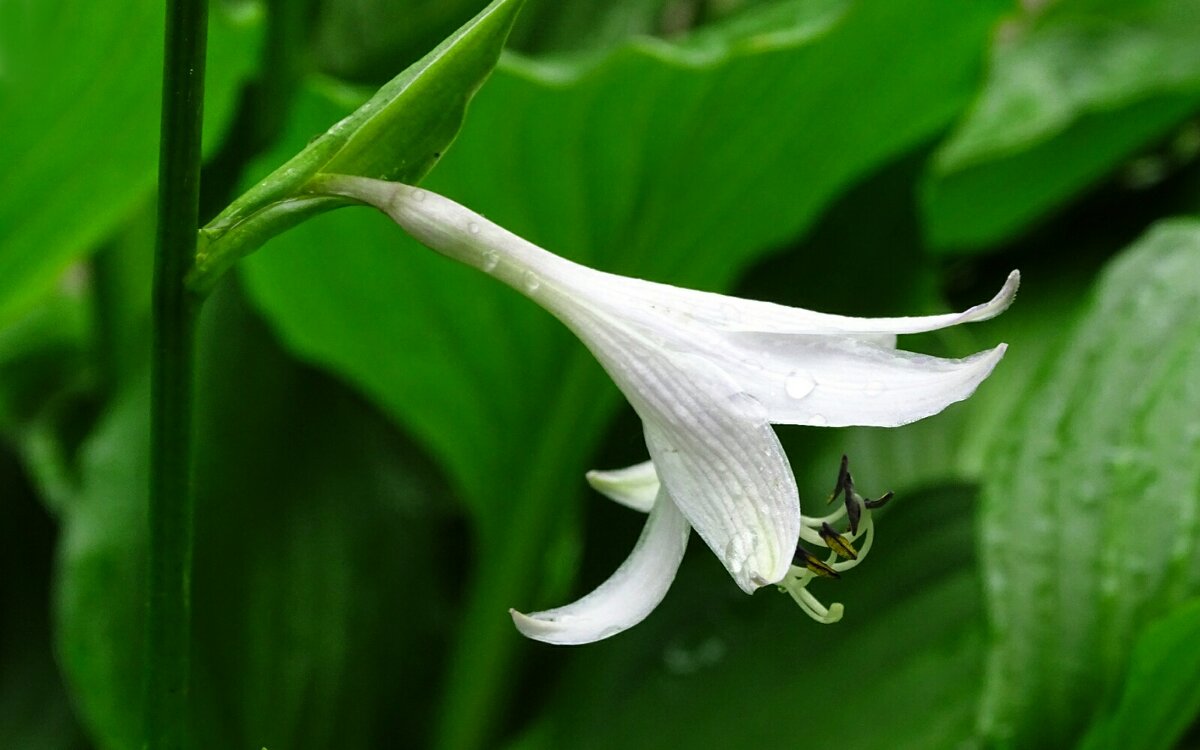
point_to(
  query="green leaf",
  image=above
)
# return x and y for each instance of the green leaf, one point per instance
(713, 668)
(80, 85)
(369, 40)
(1160, 696)
(318, 609)
(1074, 90)
(1090, 526)
(41, 354)
(866, 257)
(398, 134)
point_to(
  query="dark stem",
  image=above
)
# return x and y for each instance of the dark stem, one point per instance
(170, 513)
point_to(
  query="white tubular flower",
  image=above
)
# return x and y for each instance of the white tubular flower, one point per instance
(708, 375)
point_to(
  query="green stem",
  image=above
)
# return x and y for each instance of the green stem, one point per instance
(481, 671)
(168, 633)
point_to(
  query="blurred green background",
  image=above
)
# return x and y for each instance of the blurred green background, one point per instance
(391, 447)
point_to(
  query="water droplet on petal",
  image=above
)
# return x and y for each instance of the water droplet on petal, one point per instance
(490, 261)
(873, 388)
(818, 420)
(798, 385)
(472, 227)
(418, 195)
(740, 551)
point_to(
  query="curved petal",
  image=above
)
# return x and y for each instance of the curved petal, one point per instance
(710, 440)
(634, 486)
(627, 597)
(730, 477)
(735, 314)
(824, 381)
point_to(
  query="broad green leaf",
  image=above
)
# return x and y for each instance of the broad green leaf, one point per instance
(713, 668)
(1160, 696)
(397, 134)
(1074, 89)
(80, 86)
(866, 257)
(1090, 510)
(551, 26)
(956, 445)
(315, 542)
(369, 40)
(679, 162)
(41, 353)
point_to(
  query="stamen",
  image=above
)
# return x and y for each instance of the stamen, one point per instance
(854, 509)
(842, 553)
(838, 543)
(814, 609)
(882, 501)
(805, 559)
(833, 517)
(843, 480)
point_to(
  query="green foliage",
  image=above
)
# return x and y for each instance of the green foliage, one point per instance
(597, 160)
(627, 196)
(398, 134)
(299, 633)
(80, 85)
(369, 40)
(737, 672)
(35, 713)
(1074, 89)
(1089, 514)
(347, 594)
(1161, 690)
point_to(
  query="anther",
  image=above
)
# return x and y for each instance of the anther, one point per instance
(882, 501)
(805, 559)
(838, 543)
(854, 508)
(843, 480)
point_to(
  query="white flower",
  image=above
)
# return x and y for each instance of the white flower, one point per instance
(708, 375)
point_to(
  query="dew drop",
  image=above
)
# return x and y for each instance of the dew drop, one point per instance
(472, 227)
(818, 420)
(740, 550)
(490, 261)
(418, 195)
(798, 385)
(873, 388)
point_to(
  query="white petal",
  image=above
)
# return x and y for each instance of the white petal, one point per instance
(735, 314)
(823, 381)
(732, 480)
(710, 440)
(626, 598)
(634, 486)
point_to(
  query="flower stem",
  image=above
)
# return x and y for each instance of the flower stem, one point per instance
(168, 632)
